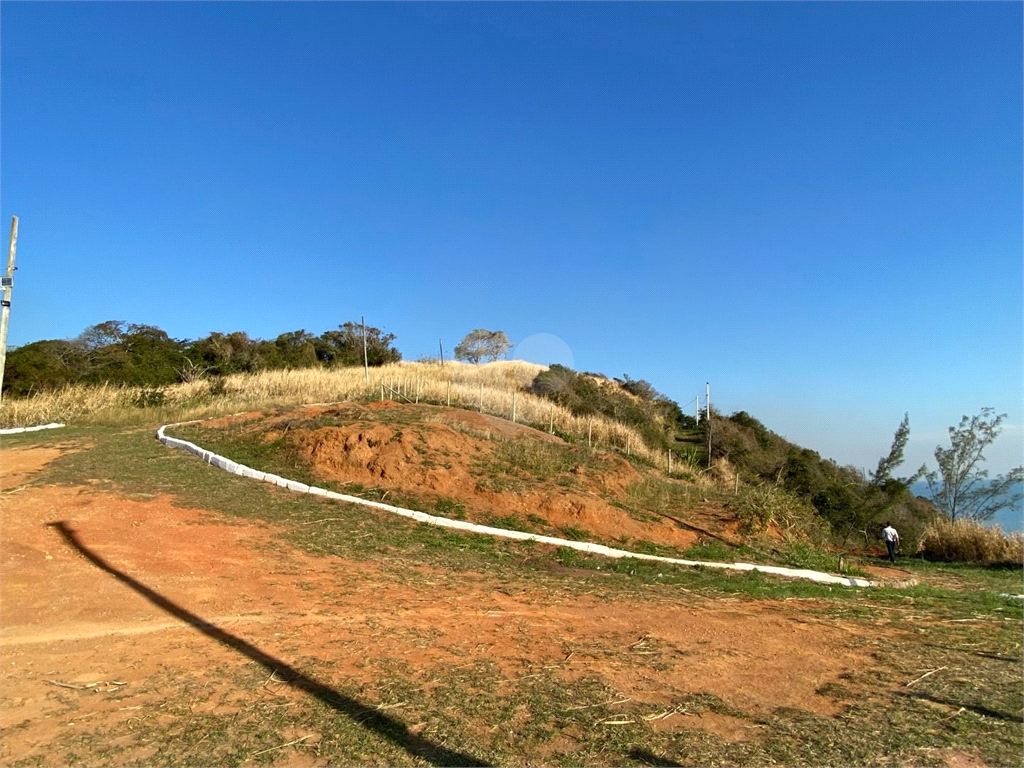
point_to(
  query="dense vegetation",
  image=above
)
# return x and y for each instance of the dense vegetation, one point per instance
(853, 504)
(793, 483)
(630, 401)
(116, 352)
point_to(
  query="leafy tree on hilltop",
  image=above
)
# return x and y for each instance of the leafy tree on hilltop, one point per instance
(295, 349)
(345, 346)
(44, 365)
(482, 344)
(222, 354)
(642, 389)
(131, 353)
(959, 487)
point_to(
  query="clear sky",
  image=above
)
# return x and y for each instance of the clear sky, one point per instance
(817, 208)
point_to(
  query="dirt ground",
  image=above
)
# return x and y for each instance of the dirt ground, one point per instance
(73, 634)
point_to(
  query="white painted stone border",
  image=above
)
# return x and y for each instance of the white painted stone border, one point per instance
(16, 430)
(422, 517)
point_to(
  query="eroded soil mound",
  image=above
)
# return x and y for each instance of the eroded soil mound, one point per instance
(482, 467)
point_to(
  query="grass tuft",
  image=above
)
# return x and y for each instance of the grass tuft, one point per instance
(968, 541)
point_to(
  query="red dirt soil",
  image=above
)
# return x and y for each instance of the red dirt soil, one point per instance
(440, 457)
(66, 621)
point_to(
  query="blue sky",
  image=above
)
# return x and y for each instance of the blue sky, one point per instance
(817, 208)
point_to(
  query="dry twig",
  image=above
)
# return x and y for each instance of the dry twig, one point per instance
(282, 746)
(926, 674)
(612, 702)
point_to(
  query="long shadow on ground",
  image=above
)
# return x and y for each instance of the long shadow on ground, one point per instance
(388, 727)
(649, 758)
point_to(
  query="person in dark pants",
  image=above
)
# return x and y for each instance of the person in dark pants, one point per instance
(892, 540)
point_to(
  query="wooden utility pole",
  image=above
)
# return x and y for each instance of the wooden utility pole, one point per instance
(8, 284)
(440, 348)
(366, 360)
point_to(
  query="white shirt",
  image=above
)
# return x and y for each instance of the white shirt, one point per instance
(889, 534)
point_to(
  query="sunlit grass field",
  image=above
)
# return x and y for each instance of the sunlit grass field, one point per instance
(497, 388)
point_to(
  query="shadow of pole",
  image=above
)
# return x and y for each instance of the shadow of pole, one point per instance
(649, 758)
(976, 708)
(388, 727)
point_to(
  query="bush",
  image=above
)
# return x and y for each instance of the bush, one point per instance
(589, 394)
(967, 541)
(767, 506)
(149, 398)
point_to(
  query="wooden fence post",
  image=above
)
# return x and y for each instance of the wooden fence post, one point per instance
(449, 394)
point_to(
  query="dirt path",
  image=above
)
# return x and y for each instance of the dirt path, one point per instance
(87, 651)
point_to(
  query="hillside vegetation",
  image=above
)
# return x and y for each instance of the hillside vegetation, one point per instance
(121, 373)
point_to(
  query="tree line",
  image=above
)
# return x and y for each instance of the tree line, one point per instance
(144, 355)
(117, 352)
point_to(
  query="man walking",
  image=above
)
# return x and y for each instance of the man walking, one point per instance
(892, 540)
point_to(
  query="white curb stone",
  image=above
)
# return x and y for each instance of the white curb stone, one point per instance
(17, 430)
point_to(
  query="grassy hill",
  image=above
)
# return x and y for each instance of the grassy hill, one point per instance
(762, 484)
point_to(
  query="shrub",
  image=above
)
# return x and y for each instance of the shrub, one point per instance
(590, 394)
(968, 541)
(768, 506)
(218, 387)
(147, 397)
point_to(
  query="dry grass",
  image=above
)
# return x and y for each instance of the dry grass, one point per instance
(497, 388)
(967, 541)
